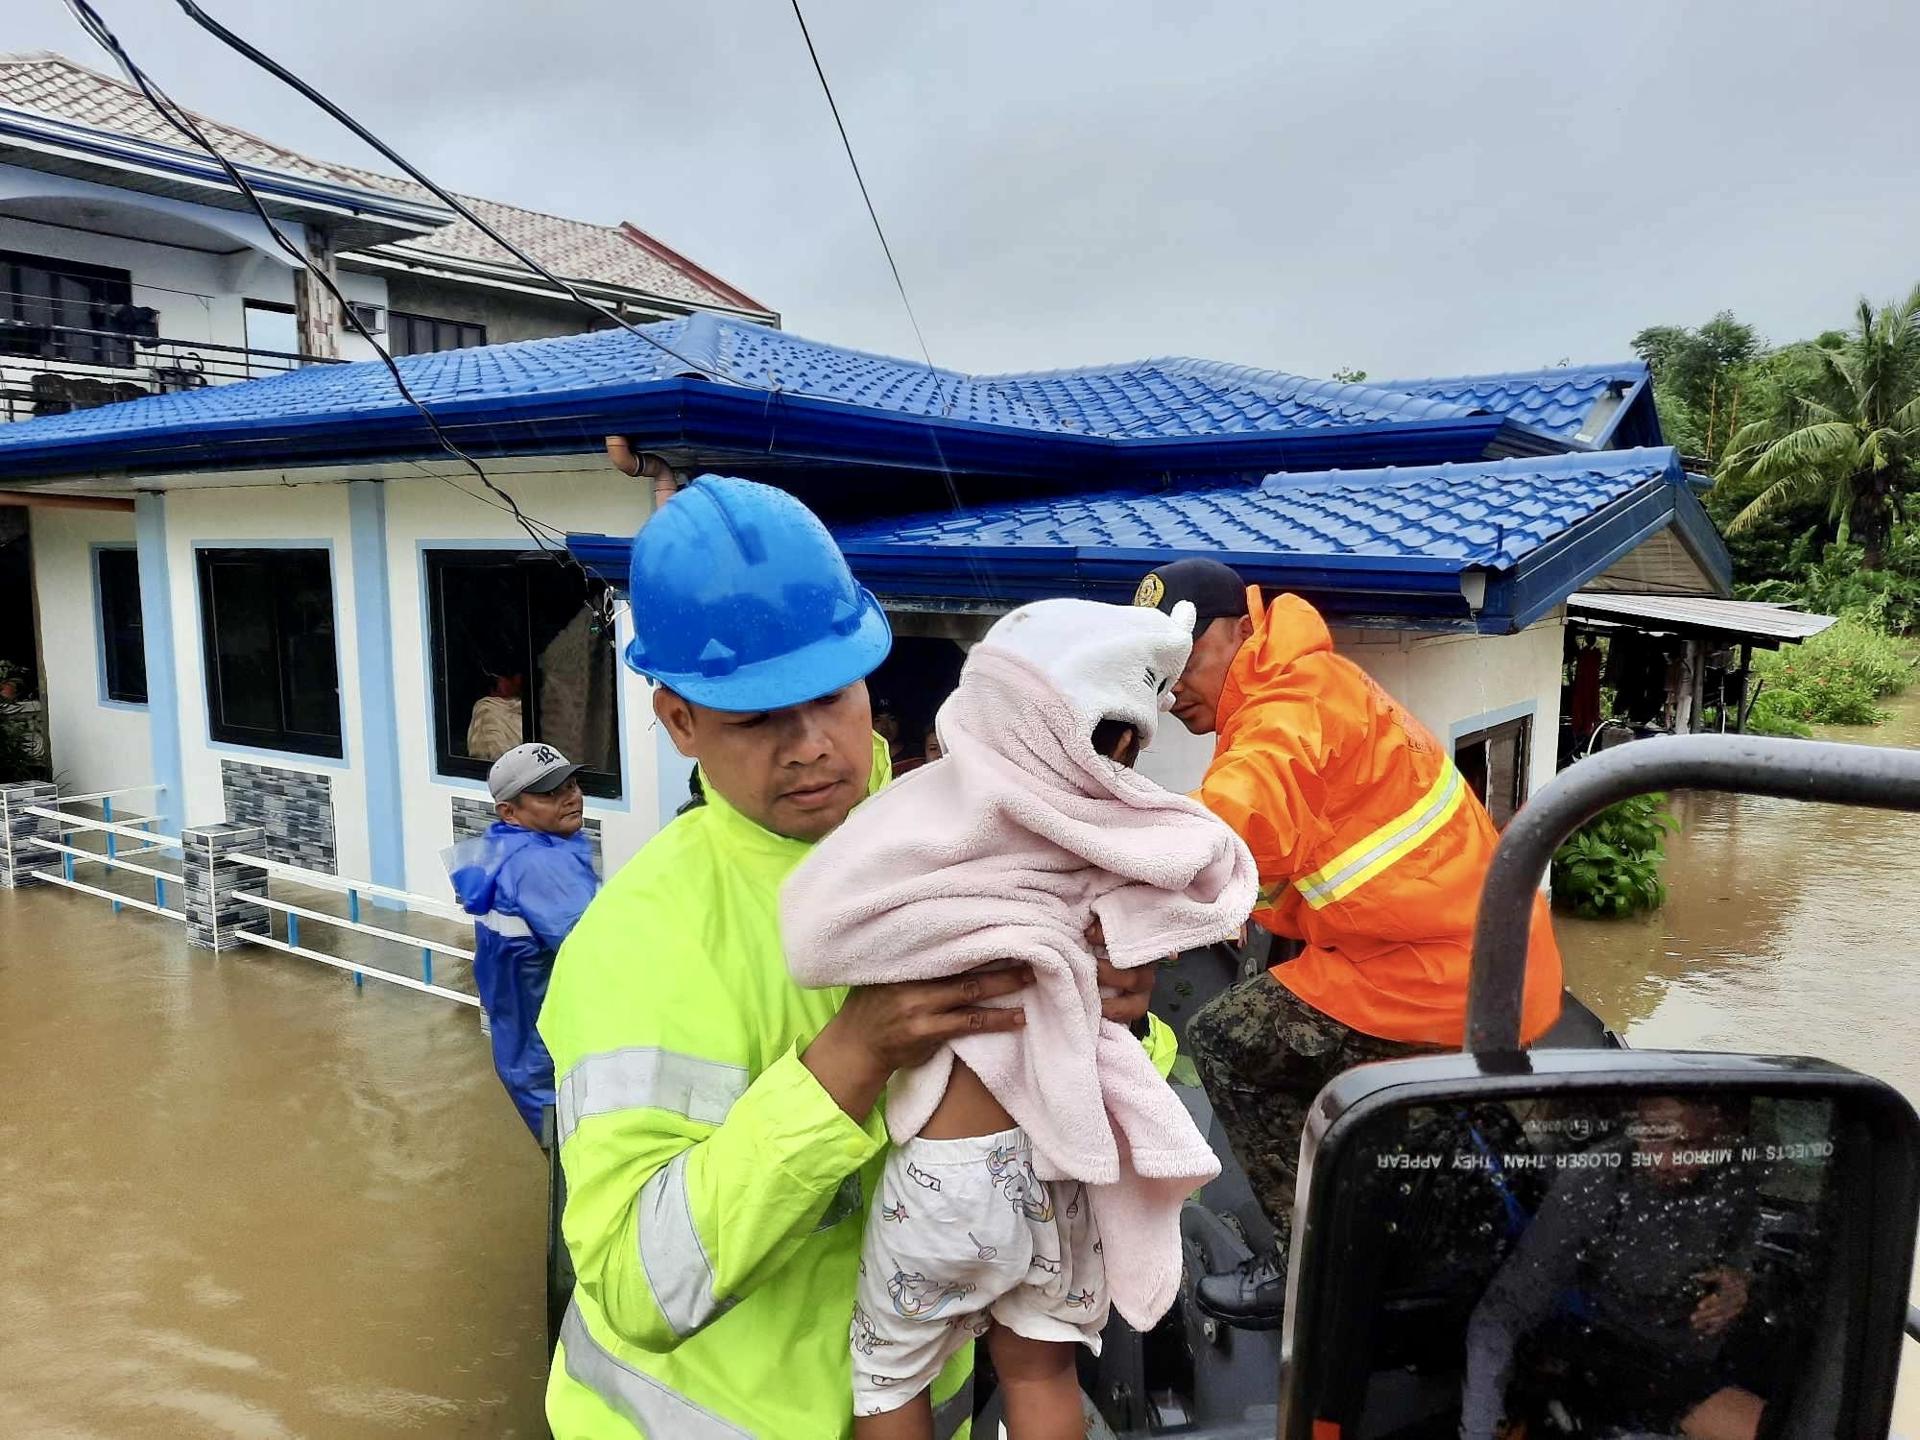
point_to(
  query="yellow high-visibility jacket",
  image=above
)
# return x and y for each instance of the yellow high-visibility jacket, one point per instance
(716, 1195)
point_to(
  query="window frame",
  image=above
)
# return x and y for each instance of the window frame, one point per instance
(1519, 727)
(281, 739)
(102, 626)
(105, 351)
(403, 322)
(607, 786)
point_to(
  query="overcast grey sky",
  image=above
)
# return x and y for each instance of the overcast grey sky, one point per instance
(1411, 187)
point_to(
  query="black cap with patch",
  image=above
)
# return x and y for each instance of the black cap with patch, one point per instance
(1216, 590)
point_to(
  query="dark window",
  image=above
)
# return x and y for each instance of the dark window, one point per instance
(424, 334)
(520, 653)
(123, 646)
(60, 310)
(1495, 763)
(272, 676)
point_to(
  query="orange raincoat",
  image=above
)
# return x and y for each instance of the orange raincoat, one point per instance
(1370, 846)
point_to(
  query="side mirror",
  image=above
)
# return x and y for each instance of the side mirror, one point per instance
(1598, 1243)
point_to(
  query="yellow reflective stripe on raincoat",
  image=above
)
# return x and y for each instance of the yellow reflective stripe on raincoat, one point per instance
(1401, 835)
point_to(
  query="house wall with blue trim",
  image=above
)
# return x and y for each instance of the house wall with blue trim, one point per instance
(95, 743)
(382, 810)
(286, 517)
(425, 515)
(1454, 684)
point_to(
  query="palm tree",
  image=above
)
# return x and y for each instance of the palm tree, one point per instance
(1849, 435)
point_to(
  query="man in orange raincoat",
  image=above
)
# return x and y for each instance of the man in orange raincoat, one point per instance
(1372, 851)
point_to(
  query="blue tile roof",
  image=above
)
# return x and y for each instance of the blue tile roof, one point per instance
(1389, 542)
(736, 388)
(1556, 400)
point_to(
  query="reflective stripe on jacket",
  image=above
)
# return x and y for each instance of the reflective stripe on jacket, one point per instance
(715, 1193)
(1371, 847)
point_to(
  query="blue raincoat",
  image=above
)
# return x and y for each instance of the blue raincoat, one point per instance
(525, 889)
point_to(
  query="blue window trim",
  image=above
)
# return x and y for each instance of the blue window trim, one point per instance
(621, 804)
(163, 681)
(299, 758)
(106, 701)
(373, 656)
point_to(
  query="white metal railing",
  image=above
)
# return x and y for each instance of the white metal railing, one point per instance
(131, 827)
(111, 832)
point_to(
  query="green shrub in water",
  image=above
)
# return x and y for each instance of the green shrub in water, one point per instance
(1836, 678)
(1611, 865)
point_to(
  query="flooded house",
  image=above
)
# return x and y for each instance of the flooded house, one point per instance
(327, 604)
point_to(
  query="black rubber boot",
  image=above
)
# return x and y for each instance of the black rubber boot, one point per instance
(1251, 1296)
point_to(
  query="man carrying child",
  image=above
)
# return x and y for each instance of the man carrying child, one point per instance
(1372, 852)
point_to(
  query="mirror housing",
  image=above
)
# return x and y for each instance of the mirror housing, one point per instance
(1638, 1233)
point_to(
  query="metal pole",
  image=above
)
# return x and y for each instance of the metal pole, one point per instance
(426, 966)
(1789, 769)
(353, 914)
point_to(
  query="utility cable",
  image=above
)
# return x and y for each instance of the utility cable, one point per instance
(454, 202)
(982, 575)
(183, 121)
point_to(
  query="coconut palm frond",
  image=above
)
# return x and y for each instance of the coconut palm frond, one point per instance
(1907, 418)
(1825, 446)
(1779, 496)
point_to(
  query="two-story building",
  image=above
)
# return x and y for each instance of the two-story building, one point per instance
(130, 266)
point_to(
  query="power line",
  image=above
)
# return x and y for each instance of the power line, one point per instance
(183, 121)
(981, 573)
(454, 202)
(861, 180)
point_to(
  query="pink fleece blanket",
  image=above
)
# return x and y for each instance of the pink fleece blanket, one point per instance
(1003, 851)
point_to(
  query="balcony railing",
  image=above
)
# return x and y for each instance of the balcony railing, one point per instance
(52, 369)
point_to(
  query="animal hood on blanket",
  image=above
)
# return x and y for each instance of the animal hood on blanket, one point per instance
(1002, 851)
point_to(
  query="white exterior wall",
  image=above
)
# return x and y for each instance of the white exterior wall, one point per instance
(243, 517)
(97, 743)
(201, 294)
(425, 514)
(1454, 684)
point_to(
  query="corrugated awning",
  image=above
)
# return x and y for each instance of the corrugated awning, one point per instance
(1770, 625)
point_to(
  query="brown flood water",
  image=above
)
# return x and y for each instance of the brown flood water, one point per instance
(1788, 929)
(240, 1199)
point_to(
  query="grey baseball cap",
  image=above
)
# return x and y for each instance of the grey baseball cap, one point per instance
(531, 769)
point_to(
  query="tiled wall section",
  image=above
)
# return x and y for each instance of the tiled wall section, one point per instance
(471, 817)
(293, 807)
(19, 856)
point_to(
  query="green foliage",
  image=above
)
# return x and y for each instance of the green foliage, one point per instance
(1610, 866)
(1838, 583)
(1347, 375)
(1696, 378)
(1837, 678)
(1842, 431)
(22, 756)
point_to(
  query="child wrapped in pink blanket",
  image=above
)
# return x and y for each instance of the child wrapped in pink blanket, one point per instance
(1030, 835)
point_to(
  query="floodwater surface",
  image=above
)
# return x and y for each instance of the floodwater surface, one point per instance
(239, 1197)
(1789, 929)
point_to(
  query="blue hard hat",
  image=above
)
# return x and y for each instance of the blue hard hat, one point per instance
(742, 602)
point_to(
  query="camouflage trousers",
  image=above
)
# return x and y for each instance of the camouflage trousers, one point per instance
(1263, 1055)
